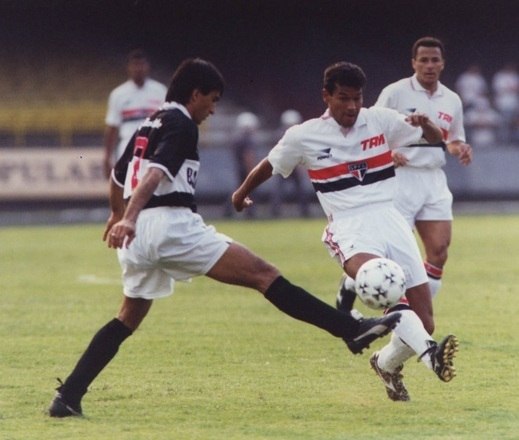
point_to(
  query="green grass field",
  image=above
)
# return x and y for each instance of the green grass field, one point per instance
(218, 362)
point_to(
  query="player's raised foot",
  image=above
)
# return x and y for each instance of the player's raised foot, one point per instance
(395, 388)
(63, 407)
(442, 357)
(371, 329)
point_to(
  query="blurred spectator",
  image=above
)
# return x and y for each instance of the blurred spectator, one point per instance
(505, 85)
(471, 85)
(296, 179)
(245, 145)
(129, 105)
(483, 123)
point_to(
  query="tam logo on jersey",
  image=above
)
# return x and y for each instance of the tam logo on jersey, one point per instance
(372, 142)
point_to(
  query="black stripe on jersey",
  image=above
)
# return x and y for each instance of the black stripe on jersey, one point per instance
(179, 199)
(349, 182)
(441, 145)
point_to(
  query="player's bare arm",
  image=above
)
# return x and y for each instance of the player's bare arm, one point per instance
(431, 132)
(110, 141)
(123, 232)
(461, 150)
(259, 174)
(116, 206)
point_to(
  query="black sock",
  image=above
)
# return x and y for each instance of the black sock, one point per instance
(99, 353)
(348, 298)
(299, 304)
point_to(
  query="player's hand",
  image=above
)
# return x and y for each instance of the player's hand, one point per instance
(417, 119)
(241, 202)
(464, 153)
(121, 234)
(112, 220)
(399, 160)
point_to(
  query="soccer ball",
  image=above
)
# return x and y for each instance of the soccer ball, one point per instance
(380, 283)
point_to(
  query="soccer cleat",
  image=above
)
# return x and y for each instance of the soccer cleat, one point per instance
(371, 329)
(442, 357)
(61, 407)
(395, 388)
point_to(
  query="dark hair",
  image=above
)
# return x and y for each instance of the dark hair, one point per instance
(194, 73)
(137, 54)
(427, 42)
(343, 74)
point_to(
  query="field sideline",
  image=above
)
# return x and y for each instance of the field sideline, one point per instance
(219, 362)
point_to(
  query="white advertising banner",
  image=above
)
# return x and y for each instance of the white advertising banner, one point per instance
(52, 173)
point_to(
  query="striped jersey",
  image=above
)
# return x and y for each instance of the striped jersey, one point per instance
(167, 140)
(350, 168)
(129, 105)
(444, 109)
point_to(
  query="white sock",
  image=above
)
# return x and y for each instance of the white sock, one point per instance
(413, 334)
(435, 285)
(349, 283)
(394, 354)
(434, 274)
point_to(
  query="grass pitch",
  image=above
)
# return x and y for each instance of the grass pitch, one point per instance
(219, 362)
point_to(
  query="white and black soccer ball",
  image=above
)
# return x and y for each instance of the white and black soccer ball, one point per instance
(380, 283)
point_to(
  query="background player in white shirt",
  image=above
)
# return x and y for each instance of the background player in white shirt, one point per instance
(347, 153)
(129, 104)
(423, 196)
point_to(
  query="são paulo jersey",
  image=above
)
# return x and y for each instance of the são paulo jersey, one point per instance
(444, 108)
(167, 140)
(129, 105)
(350, 168)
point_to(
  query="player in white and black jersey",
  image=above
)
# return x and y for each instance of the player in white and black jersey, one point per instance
(160, 238)
(347, 154)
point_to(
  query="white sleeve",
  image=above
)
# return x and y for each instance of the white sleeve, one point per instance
(385, 98)
(287, 153)
(457, 129)
(113, 115)
(397, 130)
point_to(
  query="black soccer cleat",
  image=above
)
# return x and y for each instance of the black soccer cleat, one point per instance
(63, 407)
(371, 329)
(442, 357)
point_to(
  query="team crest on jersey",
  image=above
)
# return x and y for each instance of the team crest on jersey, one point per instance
(325, 154)
(358, 170)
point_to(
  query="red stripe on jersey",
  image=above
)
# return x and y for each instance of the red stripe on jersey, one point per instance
(345, 168)
(137, 112)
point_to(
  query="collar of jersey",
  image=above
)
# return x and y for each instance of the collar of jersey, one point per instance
(419, 87)
(175, 105)
(361, 120)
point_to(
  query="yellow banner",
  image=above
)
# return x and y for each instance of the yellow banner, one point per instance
(52, 173)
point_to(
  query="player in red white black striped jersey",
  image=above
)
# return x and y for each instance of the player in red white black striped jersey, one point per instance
(347, 153)
(160, 238)
(129, 104)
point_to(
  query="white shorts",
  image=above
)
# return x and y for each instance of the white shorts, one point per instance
(380, 231)
(170, 244)
(422, 194)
